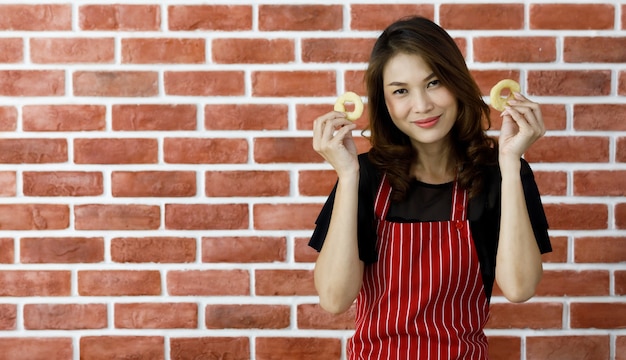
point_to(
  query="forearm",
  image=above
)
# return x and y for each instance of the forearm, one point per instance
(338, 270)
(518, 263)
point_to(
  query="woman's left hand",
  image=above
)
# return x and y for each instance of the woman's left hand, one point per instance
(522, 125)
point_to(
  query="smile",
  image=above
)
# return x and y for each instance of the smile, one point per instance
(427, 123)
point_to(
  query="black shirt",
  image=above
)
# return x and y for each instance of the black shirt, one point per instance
(433, 204)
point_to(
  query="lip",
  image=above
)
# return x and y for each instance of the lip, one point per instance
(428, 122)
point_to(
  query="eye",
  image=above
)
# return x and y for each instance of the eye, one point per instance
(400, 91)
(433, 83)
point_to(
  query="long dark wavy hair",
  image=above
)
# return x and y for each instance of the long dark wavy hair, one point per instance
(391, 150)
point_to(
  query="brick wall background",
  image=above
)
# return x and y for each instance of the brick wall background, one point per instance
(158, 184)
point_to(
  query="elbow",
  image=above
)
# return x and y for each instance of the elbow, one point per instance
(334, 307)
(519, 296)
(519, 290)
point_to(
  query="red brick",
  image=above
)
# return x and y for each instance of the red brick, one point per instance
(312, 316)
(596, 49)
(118, 151)
(8, 118)
(246, 117)
(20, 283)
(290, 83)
(119, 282)
(284, 283)
(376, 17)
(300, 17)
(577, 216)
(337, 50)
(481, 16)
(115, 83)
(525, 49)
(621, 83)
(72, 50)
(208, 283)
(620, 215)
(307, 113)
(300, 348)
(32, 82)
(36, 348)
(239, 249)
(232, 348)
(504, 347)
(62, 250)
(117, 217)
(34, 217)
(572, 16)
(620, 341)
(574, 283)
(156, 316)
(120, 17)
(11, 50)
(570, 82)
(153, 183)
(206, 216)
(205, 151)
(253, 51)
(246, 183)
(303, 252)
(8, 317)
(620, 282)
(7, 251)
(486, 79)
(33, 151)
(282, 150)
(153, 250)
(163, 51)
(559, 252)
(620, 153)
(154, 117)
(285, 216)
(244, 316)
(568, 347)
(8, 183)
(64, 117)
(316, 182)
(527, 315)
(551, 182)
(122, 347)
(586, 315)
(65, 316)
(204, 83)
(600, 183)
(50, 17)
(599, 117)
(355, 82)
(62, 183)
(600, 249)
(566, 149)
(210, 17)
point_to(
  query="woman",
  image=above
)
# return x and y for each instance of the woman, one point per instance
(417, 229)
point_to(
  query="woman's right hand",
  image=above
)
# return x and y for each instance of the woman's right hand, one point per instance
(332, 139)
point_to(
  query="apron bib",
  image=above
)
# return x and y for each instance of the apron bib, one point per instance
(424, 297)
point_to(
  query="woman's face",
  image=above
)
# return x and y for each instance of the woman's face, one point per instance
(419, 105)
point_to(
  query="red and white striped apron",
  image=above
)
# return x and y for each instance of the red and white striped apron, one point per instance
(424, 297)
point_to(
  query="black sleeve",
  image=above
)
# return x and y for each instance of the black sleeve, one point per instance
(535, 208)
(366, 228)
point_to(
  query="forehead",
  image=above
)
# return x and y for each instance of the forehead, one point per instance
(406, 68)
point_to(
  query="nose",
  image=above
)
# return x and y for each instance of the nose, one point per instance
(421, 102)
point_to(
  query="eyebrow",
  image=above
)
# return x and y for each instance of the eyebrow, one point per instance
(399, 83)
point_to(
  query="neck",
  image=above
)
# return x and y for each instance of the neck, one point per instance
(434, 166)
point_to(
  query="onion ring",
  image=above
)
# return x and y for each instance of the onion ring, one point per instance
(497, 101)
(350, 97)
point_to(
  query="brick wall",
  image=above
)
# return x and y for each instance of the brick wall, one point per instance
(159, 186)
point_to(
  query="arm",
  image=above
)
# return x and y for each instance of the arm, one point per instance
(338, 273)
(518, 261)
